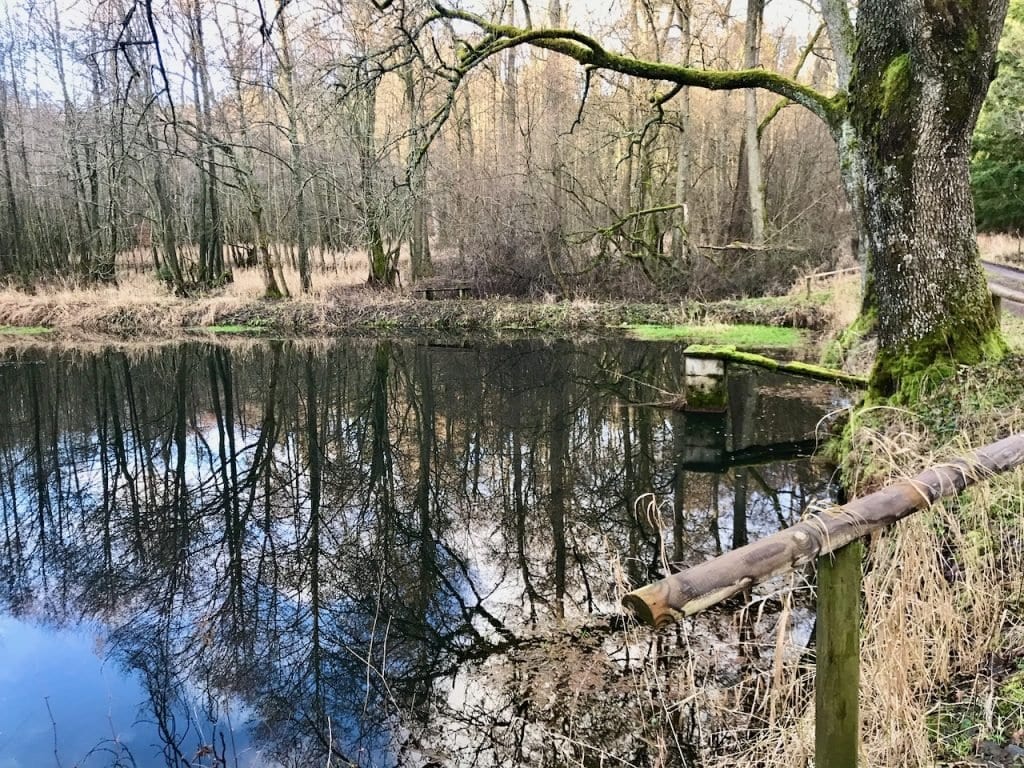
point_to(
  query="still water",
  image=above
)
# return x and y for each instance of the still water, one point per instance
(363, 553)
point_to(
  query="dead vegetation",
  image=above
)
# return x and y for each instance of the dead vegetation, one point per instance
(142, 307)
(943, 593)
(1002, 248)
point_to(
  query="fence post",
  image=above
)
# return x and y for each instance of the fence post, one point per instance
(837, 679)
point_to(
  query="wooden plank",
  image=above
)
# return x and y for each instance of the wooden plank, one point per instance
(837, 660)
(833, 273)
(730, 353)
(700, 587)
(436, 291)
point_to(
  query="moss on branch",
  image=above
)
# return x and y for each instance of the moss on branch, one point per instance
(730, 353)
(588, 52)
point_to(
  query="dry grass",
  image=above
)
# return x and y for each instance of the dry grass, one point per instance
(943, 593)
(846, 292)
(141, 306)
(1002, 248)
(942, 614)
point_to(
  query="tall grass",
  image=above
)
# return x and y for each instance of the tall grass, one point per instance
(943, 594)
(1005, 248)
(942, 612)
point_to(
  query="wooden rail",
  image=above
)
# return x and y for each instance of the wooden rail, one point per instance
(997, 290)
(702, 586)
(833, 273)
(1000, 292)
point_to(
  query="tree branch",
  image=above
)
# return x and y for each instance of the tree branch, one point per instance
(588, 52)
(783, 103)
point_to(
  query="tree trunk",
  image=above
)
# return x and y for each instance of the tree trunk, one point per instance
(755, 180)
(419, 232)
(298, 167)
(915, 95)
(211, 238)
(10, 249)
(680, 216)
(554, 224)
(382, 260)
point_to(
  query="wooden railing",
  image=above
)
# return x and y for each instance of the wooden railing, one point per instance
(832, 537)
(443, 291)
(822, 275)
(996, 290)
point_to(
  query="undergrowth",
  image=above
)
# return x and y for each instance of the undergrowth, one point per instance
(943, 590)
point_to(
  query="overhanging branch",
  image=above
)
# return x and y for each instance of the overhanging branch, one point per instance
(590, 53)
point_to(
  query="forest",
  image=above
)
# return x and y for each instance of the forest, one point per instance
(193, 138)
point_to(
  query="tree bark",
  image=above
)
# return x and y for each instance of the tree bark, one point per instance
(419, 230)
(920, 78)
(211, 238)
(10, 250)
(287, 94)
(755, 179)
(680, 216)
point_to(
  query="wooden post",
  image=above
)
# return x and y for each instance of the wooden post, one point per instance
(837, 680)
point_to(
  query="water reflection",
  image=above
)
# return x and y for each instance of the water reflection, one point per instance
(378, 553)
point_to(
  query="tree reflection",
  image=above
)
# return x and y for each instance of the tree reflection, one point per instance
(386, 553)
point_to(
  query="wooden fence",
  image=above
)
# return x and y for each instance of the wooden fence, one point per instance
(831, 537)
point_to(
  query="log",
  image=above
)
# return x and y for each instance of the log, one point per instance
(730, 353)
(702, 586)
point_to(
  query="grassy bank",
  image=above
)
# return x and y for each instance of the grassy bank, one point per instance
(140, 308)
(944, 590)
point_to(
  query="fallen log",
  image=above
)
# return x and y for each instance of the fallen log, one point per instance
(731, 354)
(702, 586)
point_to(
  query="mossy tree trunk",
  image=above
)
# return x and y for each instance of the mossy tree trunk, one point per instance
(911, 78)
(755, 177)
(917, 85)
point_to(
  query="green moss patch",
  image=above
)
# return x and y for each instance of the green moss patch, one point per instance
(896, 82)
(24, 330)
(749, 336)
(726, 352)
(905, 378)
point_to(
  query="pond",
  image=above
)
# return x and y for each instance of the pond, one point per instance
(364, 552)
